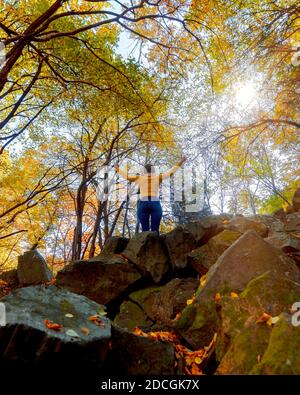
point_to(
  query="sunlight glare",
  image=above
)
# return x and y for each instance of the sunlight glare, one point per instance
(245, 93)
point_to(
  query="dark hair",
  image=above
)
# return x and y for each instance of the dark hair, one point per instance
(148, 167)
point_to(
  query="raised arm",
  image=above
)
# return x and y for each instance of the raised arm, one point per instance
(173, 169)
(125, 175)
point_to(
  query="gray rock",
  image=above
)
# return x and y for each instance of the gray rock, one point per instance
(185, 238)
(32, 269)
(148, 253)
(26, 338)
(98, 281)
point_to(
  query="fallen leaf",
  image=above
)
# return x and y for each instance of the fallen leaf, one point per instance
(85, 330)
(190, 301)
(72, 333)
(203, 280)
(233, 295)
(97, 321)
(3, 283)
(101, 311)
(272, 320)
(217, 297)
(195, 370)
(263, 318)
(51, 282)
(178, 315)
(258, 358)
(198, 360)
(69, 315)
(53, 325)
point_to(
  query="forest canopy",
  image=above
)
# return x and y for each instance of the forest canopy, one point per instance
(86, 84)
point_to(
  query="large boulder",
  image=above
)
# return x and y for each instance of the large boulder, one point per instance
(296, 200)
(281, 356)
(180, 241)
(243, 224)
(156, 307)
(286, 236)
(202, 258)
(133, 354)
(185, 238)
(243, 340)
(98, 281)
(28, 339)
(136, 311)
(171, 300)
(247, 258)
(147, 251)
(113, 246)
(32, 269)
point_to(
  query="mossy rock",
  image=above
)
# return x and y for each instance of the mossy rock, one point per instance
(241, 341)
(245, 350)
(282, 354)
(198, 323)
(132, 316)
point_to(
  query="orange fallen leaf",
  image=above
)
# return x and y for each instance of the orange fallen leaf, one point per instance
(52, 325)
(217, 297)
(51, 282)
(3, 283)
(178, 315)
(195, 370)
(97, 321)
(85, 330)
(273, 320)
(263, 318)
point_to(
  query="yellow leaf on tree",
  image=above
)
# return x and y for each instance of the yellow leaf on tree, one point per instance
(233, 295)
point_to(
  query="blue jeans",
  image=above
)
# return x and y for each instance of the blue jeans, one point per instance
(149, 209)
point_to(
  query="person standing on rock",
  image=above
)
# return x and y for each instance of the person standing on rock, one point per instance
(149, 206)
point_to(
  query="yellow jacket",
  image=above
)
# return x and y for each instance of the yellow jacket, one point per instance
(148, 183)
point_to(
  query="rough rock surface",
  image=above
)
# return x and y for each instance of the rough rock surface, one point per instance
(98, 281)
(242, 341)
(27, 340)
(32, 269)
(184, 238)
(148, 253)
(139, 355)
(114, 245)
(243, 224)
(202, 258)
(247, 258)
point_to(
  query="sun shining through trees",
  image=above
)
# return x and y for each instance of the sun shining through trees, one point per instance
(150, 189)
(246, 94)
